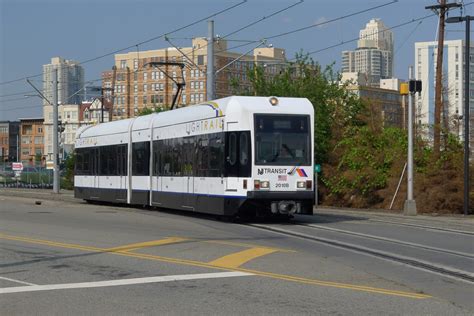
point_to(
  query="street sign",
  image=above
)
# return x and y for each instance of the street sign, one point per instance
(50, 165)
(17, 174)
(317, 168)
(17, 166)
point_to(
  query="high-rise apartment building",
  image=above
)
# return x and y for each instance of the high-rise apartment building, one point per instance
(453, 85)
(373, 57)
(70, 91)
(138, 85)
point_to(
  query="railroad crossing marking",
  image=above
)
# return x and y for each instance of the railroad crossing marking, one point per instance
(207, 265)
(237, 259)
(146, 244)
(84, 285)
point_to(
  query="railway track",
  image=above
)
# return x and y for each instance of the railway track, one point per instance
(432, 267)
(328, 219)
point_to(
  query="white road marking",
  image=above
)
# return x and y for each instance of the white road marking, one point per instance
(83, 285)
(16, 281)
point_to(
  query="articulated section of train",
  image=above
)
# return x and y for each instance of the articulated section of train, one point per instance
(237, 155)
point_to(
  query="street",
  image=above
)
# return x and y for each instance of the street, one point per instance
(65, 256)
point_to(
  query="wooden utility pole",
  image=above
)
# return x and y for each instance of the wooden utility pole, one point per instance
(442, 8)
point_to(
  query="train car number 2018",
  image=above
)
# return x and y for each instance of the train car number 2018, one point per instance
(282, 185)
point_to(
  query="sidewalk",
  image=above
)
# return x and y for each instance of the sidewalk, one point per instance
(40, 194)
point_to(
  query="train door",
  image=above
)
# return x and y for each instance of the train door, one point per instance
(188, 163)
(231, 158)
(95, 167)
(122, 173)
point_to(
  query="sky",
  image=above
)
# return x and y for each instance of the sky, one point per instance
(34, 31)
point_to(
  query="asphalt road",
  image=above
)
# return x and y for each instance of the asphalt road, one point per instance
(68, 257)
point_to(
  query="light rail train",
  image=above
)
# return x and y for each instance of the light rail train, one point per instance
(236, 155)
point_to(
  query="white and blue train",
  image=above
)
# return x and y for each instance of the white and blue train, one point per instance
(236, 155)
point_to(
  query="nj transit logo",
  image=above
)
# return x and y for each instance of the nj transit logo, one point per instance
(299, 171)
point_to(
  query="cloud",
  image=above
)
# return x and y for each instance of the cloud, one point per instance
(321, 19)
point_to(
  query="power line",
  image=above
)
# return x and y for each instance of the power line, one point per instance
(357, 38)
(409, 35)
(17, 93)
(263, 18)
(140, 43)
(332, 20)
(247, 26)
(312, 25)
(390, 28)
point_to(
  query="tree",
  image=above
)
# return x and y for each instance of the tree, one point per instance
(147, 111)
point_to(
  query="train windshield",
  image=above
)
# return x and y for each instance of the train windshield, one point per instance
(282, 140)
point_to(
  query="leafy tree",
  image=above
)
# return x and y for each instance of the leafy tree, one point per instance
(147, 110)
(67, 181)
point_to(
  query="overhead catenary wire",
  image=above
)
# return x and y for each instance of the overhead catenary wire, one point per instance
(312, 25)
(249, 25)
(140, 43)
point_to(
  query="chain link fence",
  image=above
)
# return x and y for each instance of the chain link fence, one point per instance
(32, 176)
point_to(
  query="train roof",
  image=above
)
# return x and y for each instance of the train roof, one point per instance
(216, 108)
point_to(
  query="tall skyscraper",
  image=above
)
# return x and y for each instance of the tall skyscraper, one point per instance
(70, 82)
(374, 54)
(453, 85)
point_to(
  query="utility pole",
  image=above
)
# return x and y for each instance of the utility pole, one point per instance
(54, 104)
(410, 203)
(441, 9)
(467, 81)
(55, 132)
(210, 82)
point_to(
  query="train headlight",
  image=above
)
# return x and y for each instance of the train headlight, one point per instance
(300, 184)
(273, 101)
(265, 184)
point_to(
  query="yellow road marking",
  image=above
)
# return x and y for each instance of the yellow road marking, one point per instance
(237, 259)
(207, 265)
(238, 244)
(146, 244)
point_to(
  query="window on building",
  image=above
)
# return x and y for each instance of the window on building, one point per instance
(123, 64)
(40, 130)
(135, 88)
(135, 64)
(145, 76)
(200, 59)
(145, 88)
(144, 99)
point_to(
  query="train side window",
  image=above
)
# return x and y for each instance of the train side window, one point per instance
(232, 155)
(103, 168)
(244, 149)
(86, 162)
(156, 157)
(112, 161)
(78, 165)
(215, 155)
(141, 159)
